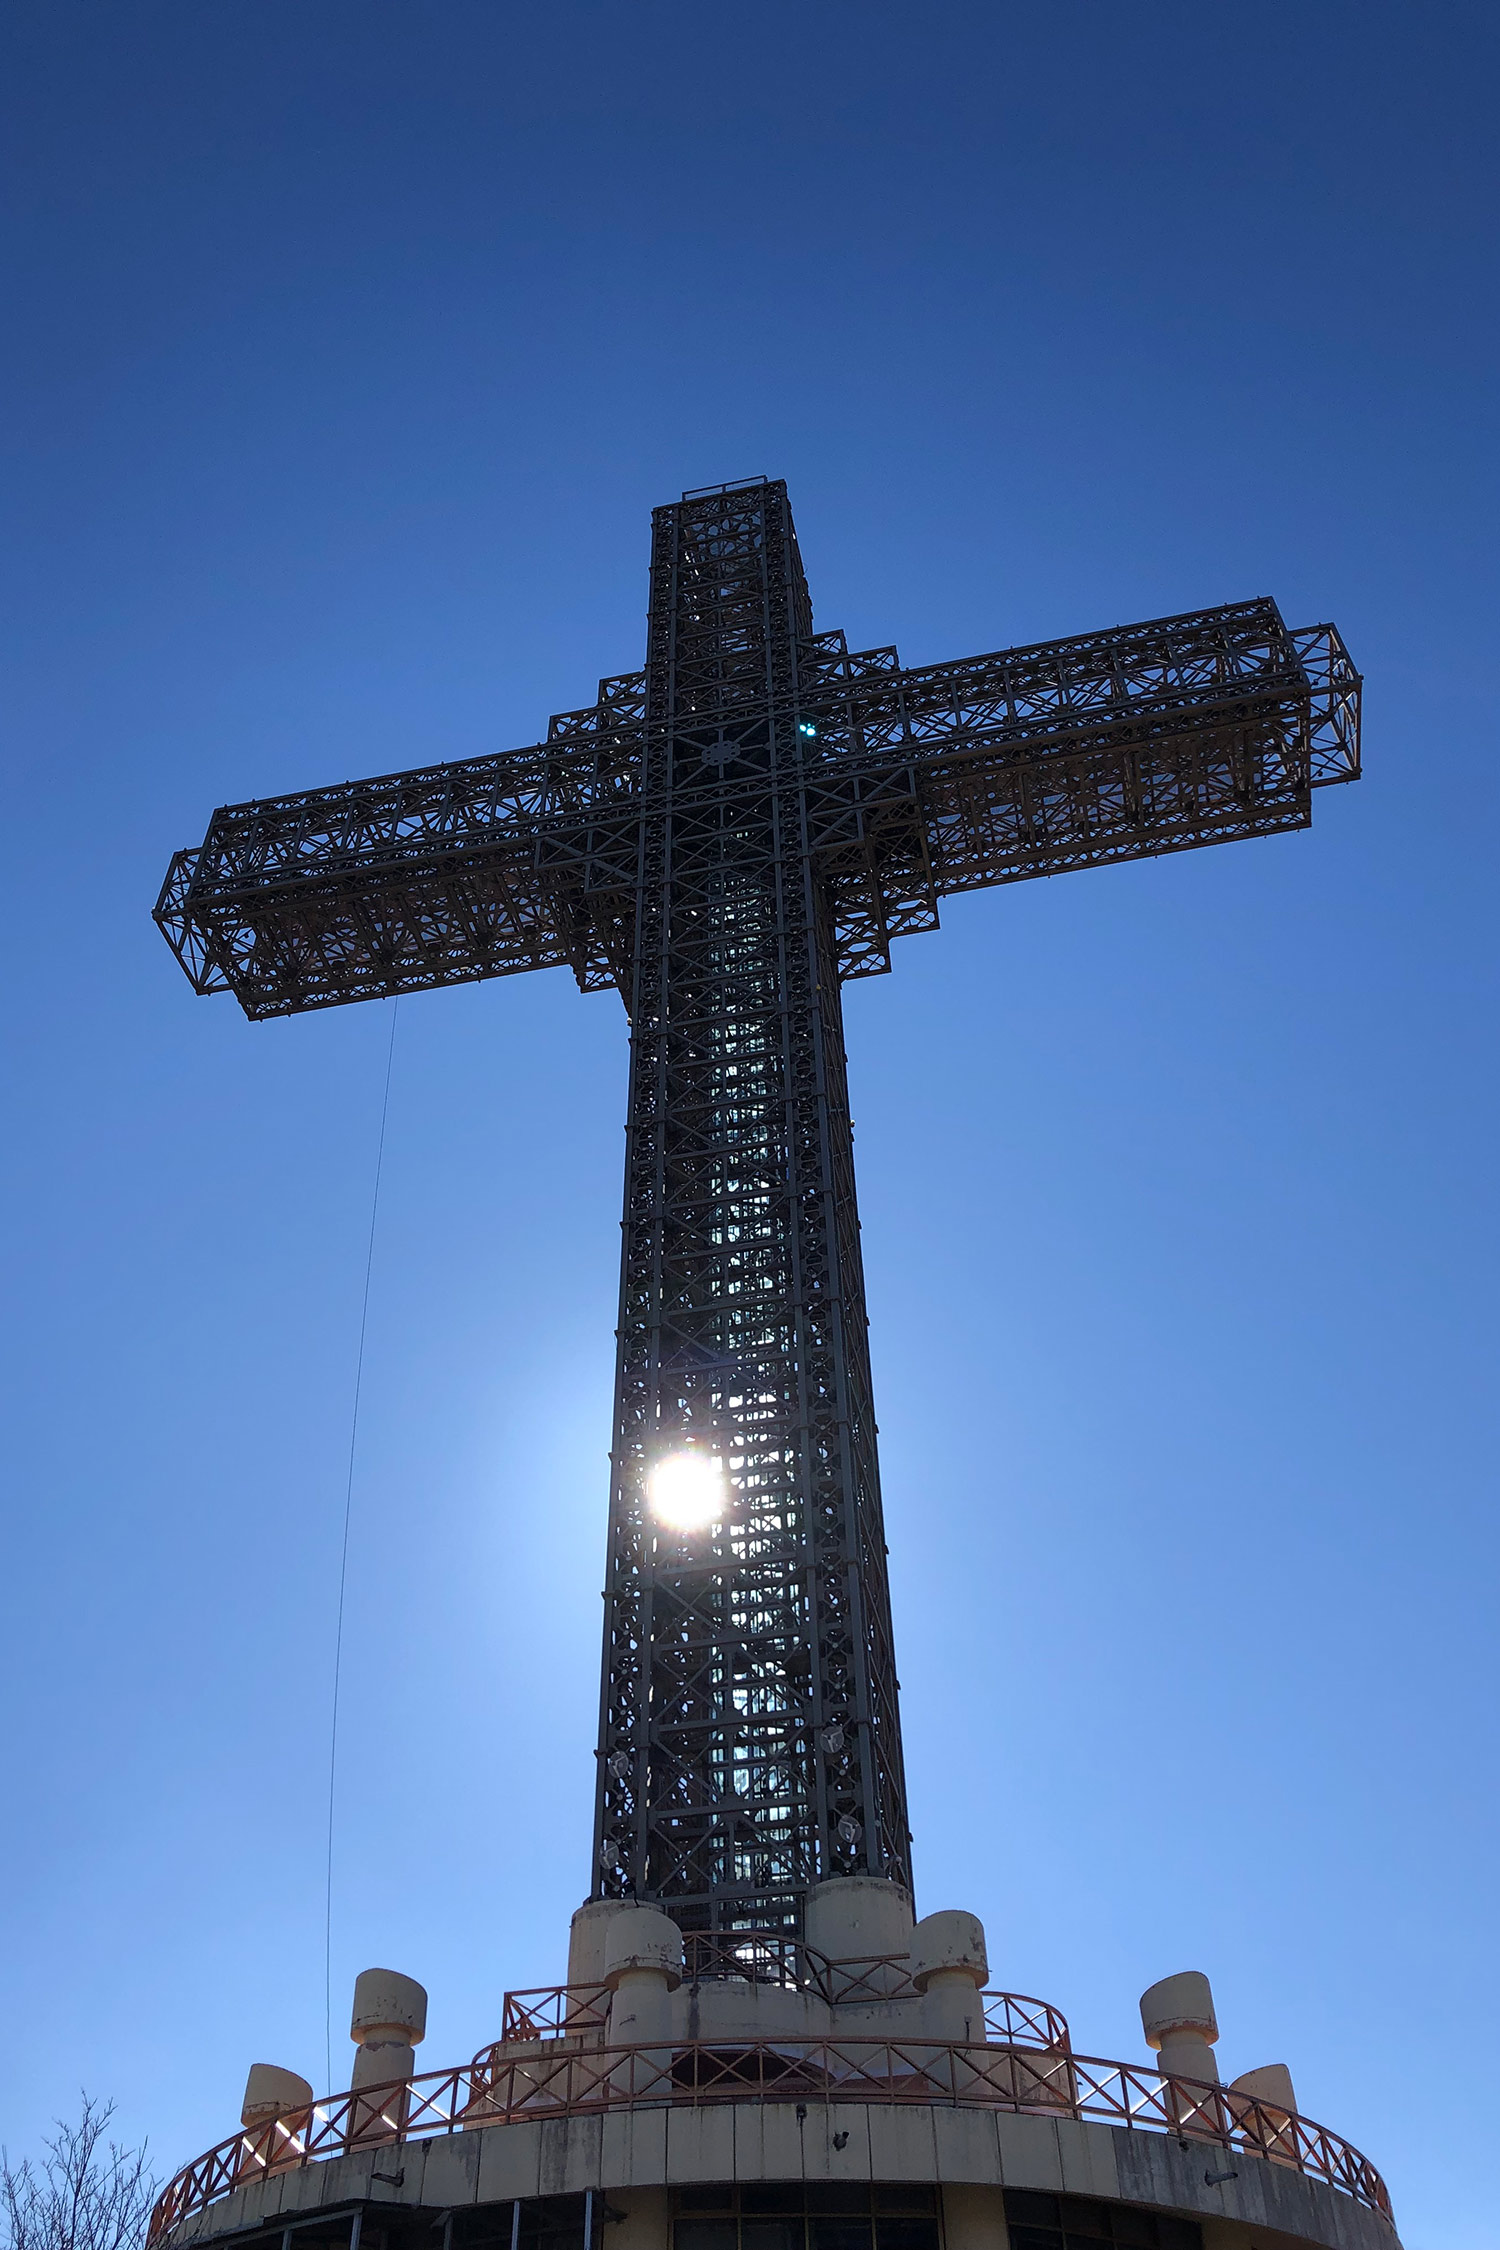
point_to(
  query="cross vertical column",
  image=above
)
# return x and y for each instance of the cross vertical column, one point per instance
(749, 1740)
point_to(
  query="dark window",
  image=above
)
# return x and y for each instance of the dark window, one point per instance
(907, 2234)
(1137, 2228)
(552, 2222)
(1024, 2209)
(707, 2234)
(547, 2222)
(805, 2215)
(1075, 2222)
(1092, 2221)
(840, 2234)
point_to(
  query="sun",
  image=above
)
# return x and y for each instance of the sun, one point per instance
(688, 1491)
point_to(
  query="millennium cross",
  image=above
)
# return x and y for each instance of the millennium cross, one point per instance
(723, 838)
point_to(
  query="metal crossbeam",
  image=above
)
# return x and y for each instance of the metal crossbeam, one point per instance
(725, 838)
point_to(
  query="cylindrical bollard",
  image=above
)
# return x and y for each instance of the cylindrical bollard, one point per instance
(272, 2092)
(586, 2007)
(949, 1967)
(1271, 2084)
(388, 2020)
(643, 1968)
(860, 1918)
(275, 2114)
(1268, 2126)
(586, 1935)
(1177, 2016)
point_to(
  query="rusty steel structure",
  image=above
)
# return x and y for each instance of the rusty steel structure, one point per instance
(723, 838)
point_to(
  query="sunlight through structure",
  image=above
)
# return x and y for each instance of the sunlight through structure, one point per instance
(687, 1492)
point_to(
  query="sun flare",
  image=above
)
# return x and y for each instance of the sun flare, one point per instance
(688, 1492)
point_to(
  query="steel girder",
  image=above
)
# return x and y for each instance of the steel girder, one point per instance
(724, 838)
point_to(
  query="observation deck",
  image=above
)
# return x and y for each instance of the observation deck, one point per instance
(757, 2092)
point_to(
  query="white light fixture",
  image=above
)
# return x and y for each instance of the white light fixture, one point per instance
(687, 1492)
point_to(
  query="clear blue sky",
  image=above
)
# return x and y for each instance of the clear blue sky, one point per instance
(347, 346)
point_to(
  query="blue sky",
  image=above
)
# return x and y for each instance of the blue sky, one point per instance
(347, 348)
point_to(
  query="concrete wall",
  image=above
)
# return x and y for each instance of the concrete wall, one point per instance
(633, 2155)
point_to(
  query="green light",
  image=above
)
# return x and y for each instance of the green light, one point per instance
(805, 726)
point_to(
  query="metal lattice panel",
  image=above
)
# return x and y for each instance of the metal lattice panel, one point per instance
(724, 838)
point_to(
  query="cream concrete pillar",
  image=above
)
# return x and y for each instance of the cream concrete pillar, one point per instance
(586, 1936)
(949, 1967)
(1269, 2125)
(643, 1968)
(389, 2020)
(271, 2092)
(1271, 2084)
(860, 1918)
(584, 2010)
(974, 2217)
(857, 1917)
(643, 2221)
(1177, 2016)
(275, 2114)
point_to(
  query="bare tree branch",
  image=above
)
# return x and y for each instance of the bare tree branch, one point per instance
(87, 2193)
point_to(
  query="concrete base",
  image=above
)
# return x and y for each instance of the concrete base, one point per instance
(631, 2159)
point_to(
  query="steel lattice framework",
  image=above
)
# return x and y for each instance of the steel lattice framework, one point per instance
(724, 838)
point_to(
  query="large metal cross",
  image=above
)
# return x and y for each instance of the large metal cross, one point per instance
(723, 839)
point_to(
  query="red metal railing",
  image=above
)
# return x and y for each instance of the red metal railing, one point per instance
(551, 2011)
(1013, 2020)
(575, 2081)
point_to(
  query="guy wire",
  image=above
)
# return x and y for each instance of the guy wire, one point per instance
(338, 1639)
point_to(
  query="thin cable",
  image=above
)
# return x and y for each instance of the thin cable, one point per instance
(338, 1639)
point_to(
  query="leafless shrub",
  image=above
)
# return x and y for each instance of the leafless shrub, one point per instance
(87, 2193)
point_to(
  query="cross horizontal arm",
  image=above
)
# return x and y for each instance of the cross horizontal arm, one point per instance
(1055, 688)
(407, 881)
(1112, 746)
(916, 782)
